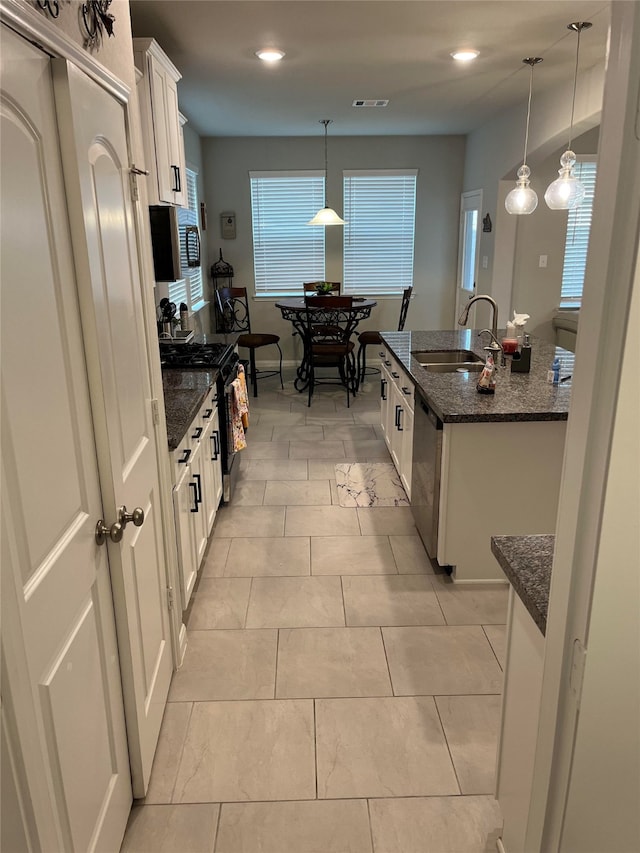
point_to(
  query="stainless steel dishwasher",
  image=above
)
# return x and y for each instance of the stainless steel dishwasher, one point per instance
(425, 474)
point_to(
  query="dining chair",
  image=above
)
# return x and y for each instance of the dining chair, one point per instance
(370, 337)
(329, 324)
(312, 286)
(233, 309)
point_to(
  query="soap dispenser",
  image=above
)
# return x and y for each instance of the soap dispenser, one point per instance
(522, 361)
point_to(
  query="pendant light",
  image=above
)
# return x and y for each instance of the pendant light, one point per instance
(326, 215)
(566, 192)
(522, 199)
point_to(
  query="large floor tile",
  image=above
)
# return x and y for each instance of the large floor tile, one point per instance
(471, 726)
(381, 748)
(313, 602)
(329, 826)
(298, 493)
(316, 520)
(280, 417)
(216, 557)
(441, 660)
(410, 556)
(167, 758)
(220, 603)
(349, 432)
(298, 433)
(387, 520)
(249, 492)
(497, 636)
(391, 600)
(370, 449)
(370, 417)
(266, 450)
(316, 449)
(226, 665)
(472, 604)
(235, 521)
(435, 825)
(256, 432)
(323, 469)
(239, 751)
(166, 829)
(351, 555)
(268, 557)
(319, 417)
(315, 662)
(274, 469)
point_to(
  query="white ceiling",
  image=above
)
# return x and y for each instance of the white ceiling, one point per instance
(340, 50)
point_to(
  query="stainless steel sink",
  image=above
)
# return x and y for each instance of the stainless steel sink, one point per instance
(448, 360)
(455, 367)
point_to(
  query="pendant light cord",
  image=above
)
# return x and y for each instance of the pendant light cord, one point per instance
(577, 27)
(575, 82)
(531, 61)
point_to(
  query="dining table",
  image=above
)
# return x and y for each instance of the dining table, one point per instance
(295, 310)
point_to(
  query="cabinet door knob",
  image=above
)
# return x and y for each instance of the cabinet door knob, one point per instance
(103, 530)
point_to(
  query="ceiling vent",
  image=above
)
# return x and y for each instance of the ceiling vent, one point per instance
(370, 102)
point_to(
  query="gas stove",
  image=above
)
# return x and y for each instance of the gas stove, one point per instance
(193, 355)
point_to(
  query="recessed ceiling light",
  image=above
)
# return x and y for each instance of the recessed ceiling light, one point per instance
(270, 54)
(465, 55)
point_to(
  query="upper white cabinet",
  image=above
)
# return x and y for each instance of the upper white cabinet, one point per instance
(163, 140)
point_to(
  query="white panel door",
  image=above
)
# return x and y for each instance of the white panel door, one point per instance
(96, 168)
(61, 679)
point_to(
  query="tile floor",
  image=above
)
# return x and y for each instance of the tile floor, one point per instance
(337, 695)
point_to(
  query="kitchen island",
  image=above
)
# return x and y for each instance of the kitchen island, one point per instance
(499, 461)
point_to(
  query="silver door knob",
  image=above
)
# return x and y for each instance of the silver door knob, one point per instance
(103, 530)
(137, 516)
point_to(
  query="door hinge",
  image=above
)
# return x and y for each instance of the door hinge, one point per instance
(578, 660)
(170, 597)
(155, 411)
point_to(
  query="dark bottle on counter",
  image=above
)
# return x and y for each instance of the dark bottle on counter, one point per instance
(523, 364)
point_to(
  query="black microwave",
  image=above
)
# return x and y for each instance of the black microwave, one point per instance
(165, 242)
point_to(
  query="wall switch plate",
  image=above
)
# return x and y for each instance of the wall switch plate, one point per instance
(542, 263)
(485, 262)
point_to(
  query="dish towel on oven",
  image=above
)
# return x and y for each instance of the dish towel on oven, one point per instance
(237, 427)
(244, 404)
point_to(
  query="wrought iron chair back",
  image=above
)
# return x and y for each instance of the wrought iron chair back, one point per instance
(329, 323)
(404, 307)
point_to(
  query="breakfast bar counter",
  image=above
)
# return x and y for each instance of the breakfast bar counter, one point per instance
(453, 396)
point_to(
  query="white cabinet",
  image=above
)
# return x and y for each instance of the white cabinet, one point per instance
(163, 140)
(519, 724)
(396, 416)
(197, 491)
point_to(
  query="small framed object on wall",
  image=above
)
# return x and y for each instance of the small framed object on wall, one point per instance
(203, 215)
(228, 225)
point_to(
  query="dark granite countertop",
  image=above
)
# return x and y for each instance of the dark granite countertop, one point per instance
(453, 396)
(527, 562)
(184, 393)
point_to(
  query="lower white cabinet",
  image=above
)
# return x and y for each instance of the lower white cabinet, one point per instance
(197, 491)
(396, 417)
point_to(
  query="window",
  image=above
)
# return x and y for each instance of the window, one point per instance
(577, 242)
(190, 289)
(286, 251)
(380, 212)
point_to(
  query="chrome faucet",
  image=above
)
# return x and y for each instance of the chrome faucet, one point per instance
(462, 319)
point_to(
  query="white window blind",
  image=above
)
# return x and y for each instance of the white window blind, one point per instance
(380, 212)
(286, 251)
(577, 241)
(192, 288)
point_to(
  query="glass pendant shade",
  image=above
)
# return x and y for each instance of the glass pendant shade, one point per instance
(522, 199)
(326, 215)
(566, 192)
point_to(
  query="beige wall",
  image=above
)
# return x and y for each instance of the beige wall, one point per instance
(439, 159)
